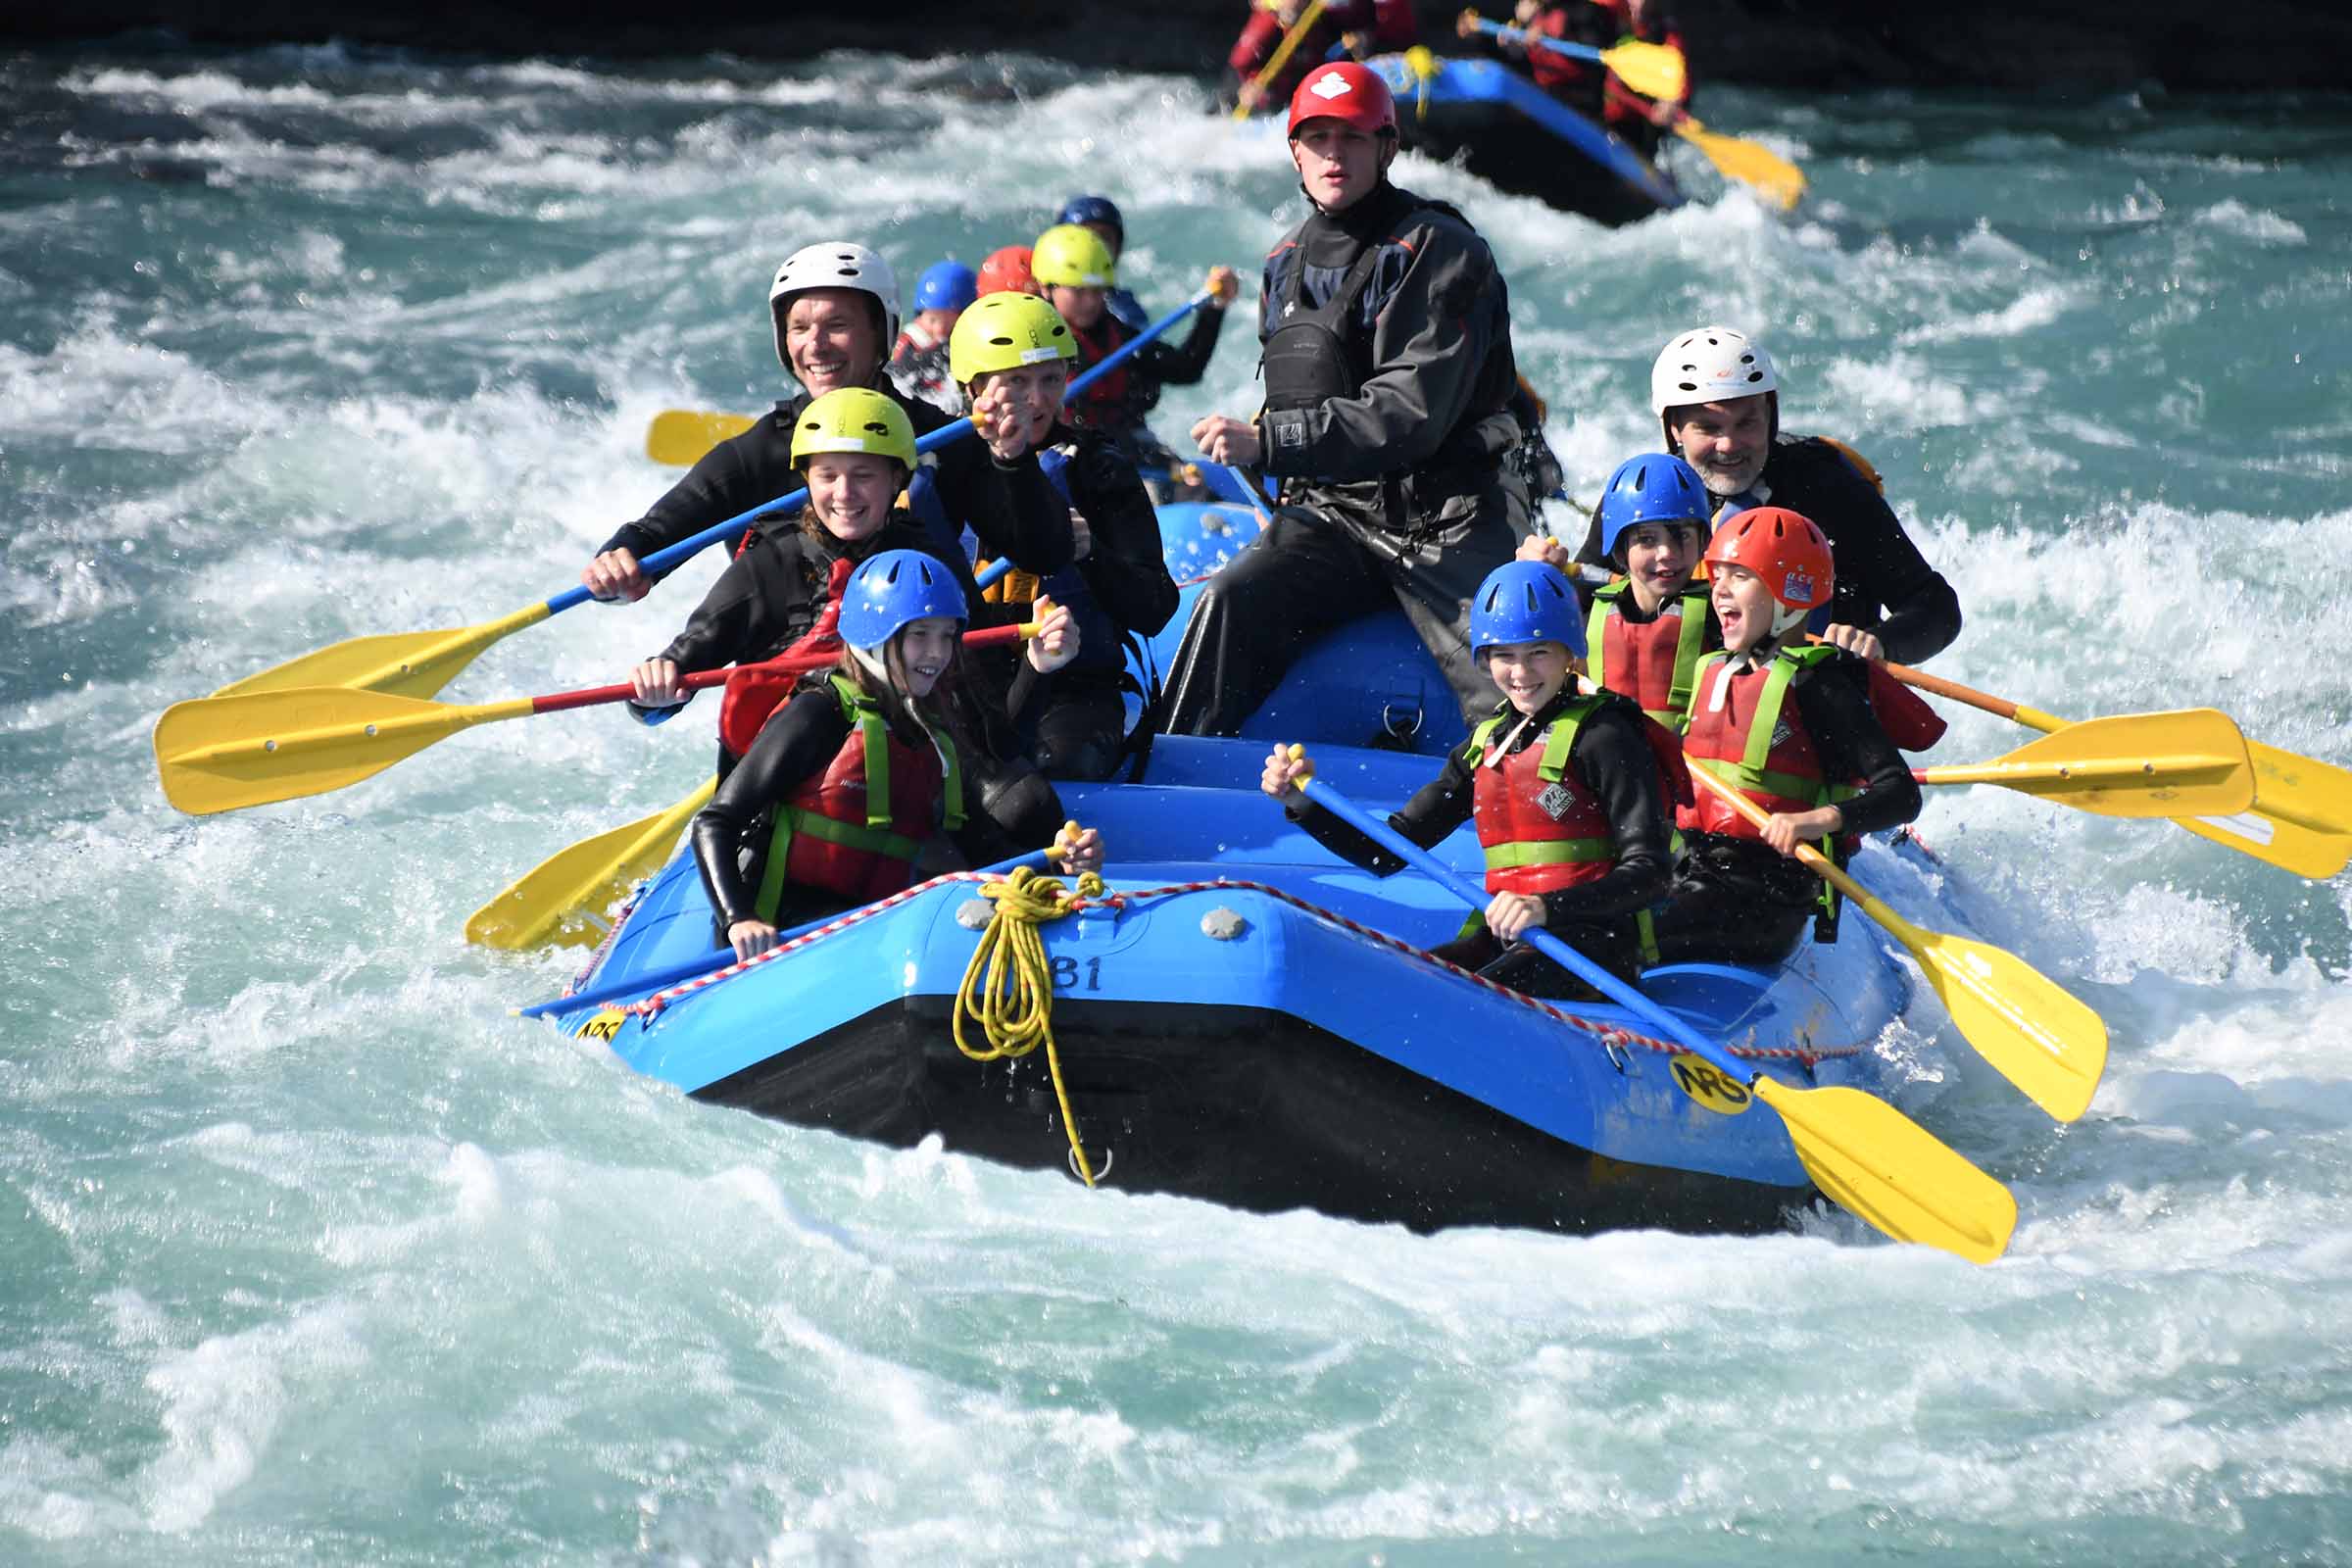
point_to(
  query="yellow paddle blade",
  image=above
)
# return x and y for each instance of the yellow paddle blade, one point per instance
(2035, 1034)
(222, 754)
(406, 664)
(680, 436)
(2301, 819)
(549, 904)
(1775, 178)
(2038, 1035)
(2303, 790)
(2283, 843)
(1653, 69)
(2190, 762)
(1875, 1162)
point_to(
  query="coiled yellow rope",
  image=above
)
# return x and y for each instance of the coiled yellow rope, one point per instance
(1008, 986)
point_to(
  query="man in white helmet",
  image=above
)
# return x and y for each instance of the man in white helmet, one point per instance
(834, 308)
(1717, 397)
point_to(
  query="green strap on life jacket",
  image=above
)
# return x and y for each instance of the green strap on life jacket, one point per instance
(1558, 740)
(1549, 852)
(1557, 743)
(1690, 645)
(1749, 772)
(875, 837)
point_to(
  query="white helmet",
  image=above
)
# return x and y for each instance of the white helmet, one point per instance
(835, 265)
(1711, 365)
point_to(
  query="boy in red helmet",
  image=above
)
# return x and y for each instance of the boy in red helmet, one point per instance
(1784, 722)
(1388, 419)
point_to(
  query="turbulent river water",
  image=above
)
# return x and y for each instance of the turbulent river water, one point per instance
(312, 1254)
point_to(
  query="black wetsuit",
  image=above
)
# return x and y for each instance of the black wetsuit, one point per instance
(1389, 386)
(1739, 900)
(1076, 717)
(1598, 919)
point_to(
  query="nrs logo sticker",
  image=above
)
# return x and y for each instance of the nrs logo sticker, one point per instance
(1705, 1082)
(604, 1026)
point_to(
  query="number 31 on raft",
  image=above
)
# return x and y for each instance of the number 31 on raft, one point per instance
(1699, 1078)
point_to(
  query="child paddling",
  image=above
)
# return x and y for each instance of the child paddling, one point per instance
(1568, 793)
(860, 770)
(1784, 723)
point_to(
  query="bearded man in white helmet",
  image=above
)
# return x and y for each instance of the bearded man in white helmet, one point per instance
(834, 309)
(1717, 397)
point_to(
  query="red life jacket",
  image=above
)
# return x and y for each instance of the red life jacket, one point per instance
(1103, 405)
(1656, 662)
(752, 692)
(1540, 828)
(1745, 732)
(855, 827)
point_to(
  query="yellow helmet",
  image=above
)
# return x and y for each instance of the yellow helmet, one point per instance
(852, 419)
(1073, 257)
(1005, 331)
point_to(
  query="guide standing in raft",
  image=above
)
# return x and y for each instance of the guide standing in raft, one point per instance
(1388, 383)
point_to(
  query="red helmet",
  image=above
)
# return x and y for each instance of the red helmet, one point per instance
(1006, 272)
(1347, 92)
(1788, 551)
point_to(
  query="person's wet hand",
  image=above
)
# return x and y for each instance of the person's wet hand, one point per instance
(1510, 915)
(751, 938)
(1002, 424)
(1056, 641)
(1282, 773)
(655, 685)
(616, 579)
(1544, 548)
(1222, 438)
(1078, 850)
(1854, 640)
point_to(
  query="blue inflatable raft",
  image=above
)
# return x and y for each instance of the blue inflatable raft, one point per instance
(1519, 138)
(1244, 1018)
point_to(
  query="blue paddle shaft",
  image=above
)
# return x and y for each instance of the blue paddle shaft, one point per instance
(1575, 51)
(664, 560)
(1543, 941)
(718, 958)
(1257, 499)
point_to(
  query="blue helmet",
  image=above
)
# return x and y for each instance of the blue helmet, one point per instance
(1526, 601)
(1655, 487)
(946, 286)
(891, 589)
(1093, 210)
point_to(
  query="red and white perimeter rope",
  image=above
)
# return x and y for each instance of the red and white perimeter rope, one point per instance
(1608, 1033)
